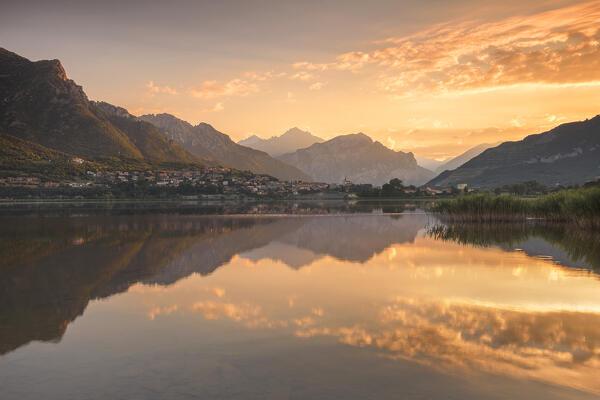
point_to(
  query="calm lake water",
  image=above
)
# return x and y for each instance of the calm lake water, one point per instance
(331, 301)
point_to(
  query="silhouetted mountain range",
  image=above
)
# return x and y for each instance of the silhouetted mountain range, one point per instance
(358, 158)
(205, 141)
(567, 154)
(289, 142)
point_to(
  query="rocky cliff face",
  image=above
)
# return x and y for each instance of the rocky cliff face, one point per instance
(358, 158)
(567, 154)
(205, 141)
(40, 104)
(289, 142)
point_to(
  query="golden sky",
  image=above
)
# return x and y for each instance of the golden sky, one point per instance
(431, 77)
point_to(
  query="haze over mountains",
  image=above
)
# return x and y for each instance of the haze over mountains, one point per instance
(462, 158)
(205, 141)
(429, 163)
(567, 154)
(290, 141)
(358, 158)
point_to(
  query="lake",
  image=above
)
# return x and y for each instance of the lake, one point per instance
(293, 301)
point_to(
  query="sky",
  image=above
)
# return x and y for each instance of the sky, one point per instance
(435, 77)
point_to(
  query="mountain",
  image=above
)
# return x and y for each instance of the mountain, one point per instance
(289, 142)
(567, 154)
(21, 157)
(38, 103)
(358, 158)
(205, 141)
(429, 163)
(464, 157)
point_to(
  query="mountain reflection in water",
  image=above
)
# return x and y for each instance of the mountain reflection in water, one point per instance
(442, 311)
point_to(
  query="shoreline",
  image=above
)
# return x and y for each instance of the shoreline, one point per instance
(224, 200)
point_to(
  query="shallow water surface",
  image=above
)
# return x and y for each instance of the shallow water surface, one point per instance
(180, 306)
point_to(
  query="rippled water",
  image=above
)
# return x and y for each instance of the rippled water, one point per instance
(354, 303)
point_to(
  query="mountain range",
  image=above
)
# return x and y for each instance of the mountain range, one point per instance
(205, 141)
(49, 112)
(290, 141)
(46, 118)
(358, 158)
(568, 154)
(38, 103)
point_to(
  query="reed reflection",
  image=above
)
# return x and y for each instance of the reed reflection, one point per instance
(564, 243)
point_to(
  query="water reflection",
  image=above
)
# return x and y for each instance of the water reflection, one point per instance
(195, 207)
(519, 304)
(564, 243)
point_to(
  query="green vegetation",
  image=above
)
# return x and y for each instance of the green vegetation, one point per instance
(577, 206)
(23, 158)
(20, 157)
(393, 189)
(528, 188)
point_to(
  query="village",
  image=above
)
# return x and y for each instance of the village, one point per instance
(209, 181)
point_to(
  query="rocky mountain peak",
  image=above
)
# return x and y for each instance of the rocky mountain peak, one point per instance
(355, 139)
(112, 110)
(295, 132)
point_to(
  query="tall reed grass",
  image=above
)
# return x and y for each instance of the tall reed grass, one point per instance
(577, 206)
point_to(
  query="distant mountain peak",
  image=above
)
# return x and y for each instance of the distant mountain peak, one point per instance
(295, 131)
(354, 138)
(360, 159)
(290, 141)
(113, 110)
(205, 141)
(205, 125)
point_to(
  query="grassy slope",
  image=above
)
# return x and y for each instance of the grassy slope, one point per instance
(20, 157)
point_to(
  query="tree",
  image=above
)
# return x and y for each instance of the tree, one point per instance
(393, 188)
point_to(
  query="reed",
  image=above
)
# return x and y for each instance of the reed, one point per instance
(577, 206)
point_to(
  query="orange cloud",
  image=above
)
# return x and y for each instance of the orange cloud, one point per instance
(216, 108)
(303, 76)
(311, 66)
(213, 310)
(316, 86)
(159, 89)
(234, 87)
(555, 47)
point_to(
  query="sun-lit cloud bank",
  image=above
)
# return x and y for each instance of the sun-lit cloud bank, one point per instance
(555, 47)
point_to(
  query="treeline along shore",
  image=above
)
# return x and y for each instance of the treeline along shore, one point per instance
(580, 207)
